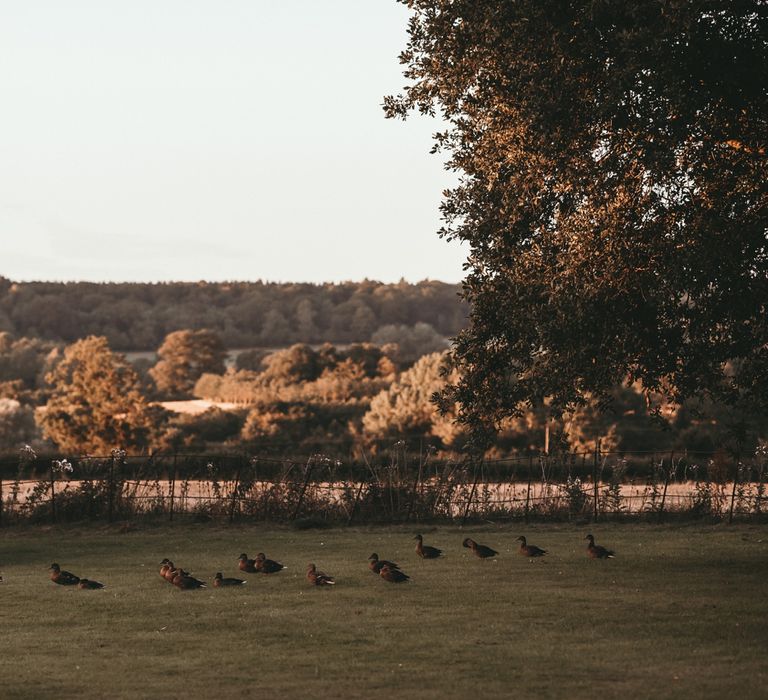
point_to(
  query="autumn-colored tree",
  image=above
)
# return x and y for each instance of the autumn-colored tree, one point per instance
(95, 403)
(203, 431)
(184, 357)
(612, 163)
(298, 424)
(298, 363)
(406, 406)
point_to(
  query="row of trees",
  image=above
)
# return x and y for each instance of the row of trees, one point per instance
(301, 399)
(243, 314)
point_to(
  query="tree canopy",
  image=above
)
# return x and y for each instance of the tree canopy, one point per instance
(96, 404)
(184, 357)
(612, 160)
(137, 316)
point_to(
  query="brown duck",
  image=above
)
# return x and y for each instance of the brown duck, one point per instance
(479, 550)
(88, 584)
(596, 551)
(529, 550)
(319, 578)
(267, 566)
(375, 564)
(181, 579)
(171, 570)
(246, 564)
(393, 575)
(63, 578)
(425, 551)
(166, 566)
(219, 581)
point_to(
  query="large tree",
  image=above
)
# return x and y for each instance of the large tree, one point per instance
(95, 404)
(184, 357)
(612, 161)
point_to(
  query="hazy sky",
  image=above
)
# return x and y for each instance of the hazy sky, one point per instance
(192, 139)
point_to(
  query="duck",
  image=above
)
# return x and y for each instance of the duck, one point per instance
(246, 564)
(479, 550)
(375, 564)
(425, 551)
(267, 566)
(183, 580)
(219, 581)
(529, 550)
(596, 551)
(319, 578)
(88, 584)
(63, 578)
(171, 570)
(393, 575)
(166, 566)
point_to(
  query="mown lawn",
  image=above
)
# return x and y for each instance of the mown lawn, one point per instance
(682, 612)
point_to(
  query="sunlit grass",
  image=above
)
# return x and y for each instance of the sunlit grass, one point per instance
(679, 613)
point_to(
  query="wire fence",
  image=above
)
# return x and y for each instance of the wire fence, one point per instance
(397, 485)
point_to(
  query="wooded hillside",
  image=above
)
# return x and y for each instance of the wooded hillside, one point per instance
(134, 316)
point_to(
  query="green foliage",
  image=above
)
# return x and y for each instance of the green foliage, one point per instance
(26, 360)
(251, 360)
(612, 160)
(184, 357)
(300, 373)
(298, 423)
(410, 342)
(17, 425)
(706, 425)
(244, 314)
(298, 363)
(406, 406)
(95, 403)
(624, 425)
(199, 432)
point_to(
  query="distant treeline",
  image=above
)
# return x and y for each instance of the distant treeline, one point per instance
(137, 316)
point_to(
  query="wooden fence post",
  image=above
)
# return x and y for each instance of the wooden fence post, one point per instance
(528, 492)
(667, 478)
(416, 482)
(307, 472)
(173, 489)
(111, 504)
(357, 500)
(595, 497)
(472, 492)
(234, 495)
(733, 491)
(53, 495)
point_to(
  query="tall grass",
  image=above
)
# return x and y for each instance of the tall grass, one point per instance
(392, 486)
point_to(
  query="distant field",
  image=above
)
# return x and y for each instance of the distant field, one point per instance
(681, 612)
(195, 407)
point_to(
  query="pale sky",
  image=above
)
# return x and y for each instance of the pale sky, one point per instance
(148, 140)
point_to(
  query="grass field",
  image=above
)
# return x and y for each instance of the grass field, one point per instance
(682, 612)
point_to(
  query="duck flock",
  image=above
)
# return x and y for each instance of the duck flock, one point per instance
(387, 570)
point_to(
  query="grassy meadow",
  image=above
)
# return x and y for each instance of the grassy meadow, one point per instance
(682, 611)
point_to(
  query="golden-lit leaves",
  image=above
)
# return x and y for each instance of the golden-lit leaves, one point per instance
(612, 170)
